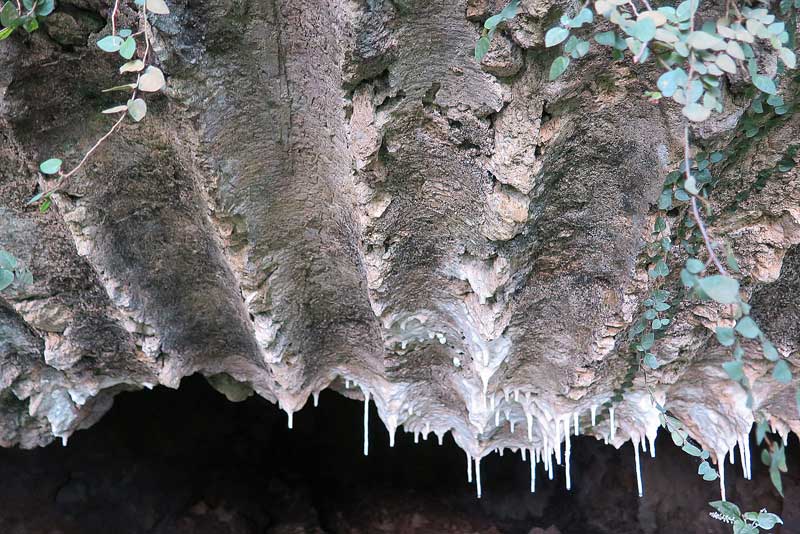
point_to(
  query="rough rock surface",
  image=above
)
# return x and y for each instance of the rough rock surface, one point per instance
(335, 193)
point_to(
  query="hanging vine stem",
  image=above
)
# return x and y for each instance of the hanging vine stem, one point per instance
(696, 212)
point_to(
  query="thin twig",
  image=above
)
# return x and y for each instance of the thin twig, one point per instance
(695, 212)
(114, 18)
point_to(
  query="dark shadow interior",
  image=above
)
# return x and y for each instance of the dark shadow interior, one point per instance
(189, 461)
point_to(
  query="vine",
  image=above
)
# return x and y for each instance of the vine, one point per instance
(149, 79)
(694, 63)
(26, 15)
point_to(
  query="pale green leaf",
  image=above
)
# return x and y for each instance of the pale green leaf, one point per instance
(695, 112)
(788, 57)
(765, 84)
(50, 166)
(128, 48)
(152, 80)
(555, 36)
(159, 7)
(722, 289)
(781, 372)
(110, 43)
(137, 109)
(726, 336)
(558, 67)
(6, 277)
(747, 327)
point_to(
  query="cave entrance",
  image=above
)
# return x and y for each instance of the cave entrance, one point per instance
(191, 462)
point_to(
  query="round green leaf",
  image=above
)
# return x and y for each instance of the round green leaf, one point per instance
(747, 327)
(606, 38)
(110, 43)
(555, 36)
(700, 40)
(51, 166)
(8, 14)
(696, 112)
(781, 372)
(651, 361)
(151, 80)
(7, 261)
(137, 109)
(767, 520)
(128, 48)
(558, 67)
(585, 16)
(132, 66)
(725, 336)
(722, 289)
(669, 82)
(159, 7)
(694, 266)
(770, 352)
(6, 277)
(765, 84)
(690, 449)
(726, 63)
(44, 7)
(644, 30)
(788, 57)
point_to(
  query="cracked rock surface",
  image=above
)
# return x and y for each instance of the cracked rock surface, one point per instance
(333, 194)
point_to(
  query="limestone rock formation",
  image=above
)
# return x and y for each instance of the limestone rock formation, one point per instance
(334, 194)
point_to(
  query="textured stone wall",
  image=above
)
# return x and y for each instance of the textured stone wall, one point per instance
(334, 194)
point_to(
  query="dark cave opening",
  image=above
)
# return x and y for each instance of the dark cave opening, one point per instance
(189, 461)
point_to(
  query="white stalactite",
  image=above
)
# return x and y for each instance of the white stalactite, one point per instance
(593, 412)
(392, 429)
(577, 425)
(529, 421)
(366, 423)
(638, 467)
(557, 444)
(478, 475)
(741, 456)
(290, 418)
(315, 395)
(721, 469)
(567, 449)
(533, 470)
(469, 468)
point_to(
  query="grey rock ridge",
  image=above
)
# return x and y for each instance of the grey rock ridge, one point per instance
(334, 194)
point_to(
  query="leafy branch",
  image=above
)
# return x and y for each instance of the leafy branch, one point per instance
(694, 63)
(149, 79)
